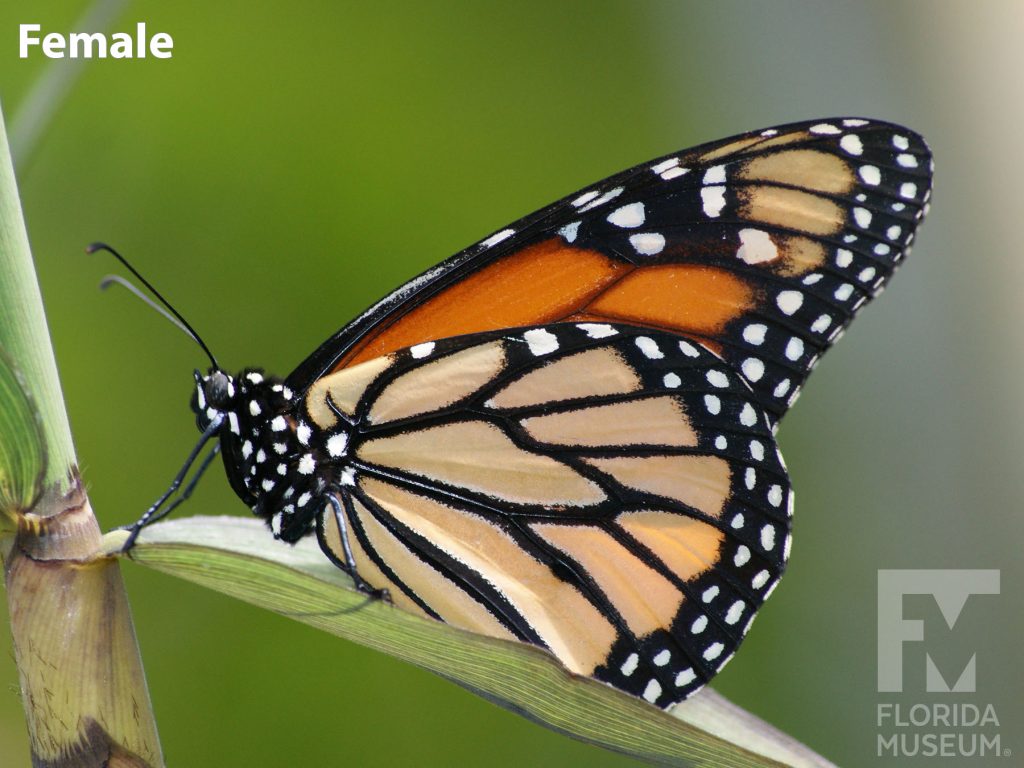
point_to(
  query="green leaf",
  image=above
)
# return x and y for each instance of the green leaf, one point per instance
(22, 452)
(238, 557)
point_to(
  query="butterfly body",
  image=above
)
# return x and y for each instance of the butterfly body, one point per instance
(564, 435)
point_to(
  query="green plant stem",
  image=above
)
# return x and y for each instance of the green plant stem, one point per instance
(81, 679)
(23, 332)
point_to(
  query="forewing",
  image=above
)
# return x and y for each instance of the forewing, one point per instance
(608, 492)
(762, 245)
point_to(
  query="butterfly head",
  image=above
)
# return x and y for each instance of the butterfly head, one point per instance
(214, 397)
(266, 449)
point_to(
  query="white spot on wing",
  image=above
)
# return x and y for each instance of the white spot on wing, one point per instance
(789, 301)
(715, 175)
(597, 330)
(717, 379)
(754, 334)
(569, 231)
(870, 174)
(497, 237)
(664, 165)
(862, 216)
(648, 243)
(609, 195)
(688, 349)
(735, 611)
(585, 198)
(628, 216)
(649, 347)
(685, 677)
(713, 651)
(422, 350)
(753, 369)
(541, 341)
(748, 416)
(630, 664)
(756, 450)
(844, 291)
(795, 349)
(756, 247)
(742, 556)
(851, 143)
(713, 199)
(652, 691)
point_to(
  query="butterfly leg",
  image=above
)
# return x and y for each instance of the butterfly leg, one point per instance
(349, 566)
(154, 512)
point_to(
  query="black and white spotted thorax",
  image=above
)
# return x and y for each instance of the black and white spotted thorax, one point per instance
(278, 463)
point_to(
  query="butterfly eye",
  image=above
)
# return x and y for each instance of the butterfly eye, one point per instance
(218, 390)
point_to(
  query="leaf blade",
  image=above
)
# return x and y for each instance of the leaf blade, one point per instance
(238, 557)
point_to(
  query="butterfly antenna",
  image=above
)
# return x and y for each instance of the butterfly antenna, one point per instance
(174, 316)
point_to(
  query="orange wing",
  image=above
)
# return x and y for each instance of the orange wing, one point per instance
(761, 246)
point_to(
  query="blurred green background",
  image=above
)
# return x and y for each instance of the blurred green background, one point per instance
(295, 161)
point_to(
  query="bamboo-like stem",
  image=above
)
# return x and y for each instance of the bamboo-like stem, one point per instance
(82, 684)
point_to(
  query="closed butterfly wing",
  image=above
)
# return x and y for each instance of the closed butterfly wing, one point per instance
(607, 492)
(564, 434)
(762, 246)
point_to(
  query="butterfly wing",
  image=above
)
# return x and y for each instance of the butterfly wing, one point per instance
(762, 246)
(605, 491)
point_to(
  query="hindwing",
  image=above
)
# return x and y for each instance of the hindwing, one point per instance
(608, 492)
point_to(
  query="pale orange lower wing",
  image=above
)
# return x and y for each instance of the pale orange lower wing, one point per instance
(604, 491)
(764, 246)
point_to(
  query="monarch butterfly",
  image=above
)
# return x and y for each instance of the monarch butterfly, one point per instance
(564, 434)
